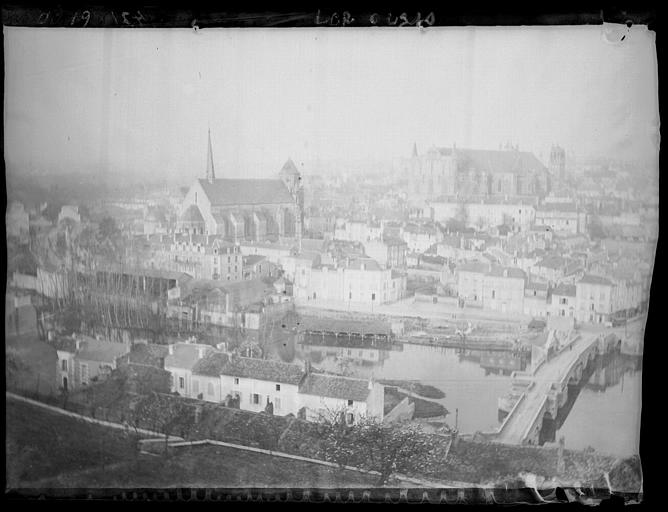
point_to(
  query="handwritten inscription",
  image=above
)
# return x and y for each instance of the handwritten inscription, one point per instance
(135, 18)
(401, 20)
(83, 18)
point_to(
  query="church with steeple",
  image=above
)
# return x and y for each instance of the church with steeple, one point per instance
(244, 209)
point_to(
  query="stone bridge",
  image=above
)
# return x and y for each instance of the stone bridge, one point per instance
(546, 388)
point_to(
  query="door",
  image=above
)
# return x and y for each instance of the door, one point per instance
(65, 383)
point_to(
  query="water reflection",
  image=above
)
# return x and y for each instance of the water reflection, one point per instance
(606, 414)
(471, 389)
(601, 412)
(604, 372)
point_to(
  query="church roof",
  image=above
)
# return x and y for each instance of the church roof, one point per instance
(289, 167)
(230, 192)
(192, 214)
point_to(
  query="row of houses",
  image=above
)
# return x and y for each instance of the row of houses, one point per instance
(203, 372)
(589, 299)
(200, 371)
(203, 257)
(523, 214)
(359, 280)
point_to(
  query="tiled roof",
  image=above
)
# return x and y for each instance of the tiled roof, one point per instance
(334, 386)
(261, 369)
(534, 285)
(592, 279)
(567, 290)
(230, 192)
(393, 240)
(100, 350)
(148, 354)
(553, 262)
(435, 260)
(252, 259)
(185, 355)
(499, 271)
(474, 266)
(369, 264)
(212, 365)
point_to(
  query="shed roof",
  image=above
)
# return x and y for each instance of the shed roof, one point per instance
(335, 386)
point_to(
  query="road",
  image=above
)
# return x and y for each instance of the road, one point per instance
(550, 372)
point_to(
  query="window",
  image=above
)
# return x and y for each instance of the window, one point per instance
(350, 418)
(236, 381)
(278, 387)
(182, 383)
(350, 402)
(229, 259)
(84, 373)
(255, 398)
(209, 388)
(493, 294)
(64, 365)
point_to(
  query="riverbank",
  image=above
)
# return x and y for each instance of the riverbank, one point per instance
(409, 308)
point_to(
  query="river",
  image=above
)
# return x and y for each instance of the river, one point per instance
(602, 413)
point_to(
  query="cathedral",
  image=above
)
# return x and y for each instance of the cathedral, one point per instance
(458, 172)
(244, 209)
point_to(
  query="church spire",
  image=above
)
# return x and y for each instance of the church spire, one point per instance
(210, 173)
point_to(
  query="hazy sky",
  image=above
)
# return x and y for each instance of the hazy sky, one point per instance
(141, 100)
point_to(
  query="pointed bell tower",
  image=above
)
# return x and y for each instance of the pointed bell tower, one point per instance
(210, 172)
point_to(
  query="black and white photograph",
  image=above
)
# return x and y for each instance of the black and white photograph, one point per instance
(326, 258)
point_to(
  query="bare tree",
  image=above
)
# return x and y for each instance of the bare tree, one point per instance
(164, 414)
(385, 448)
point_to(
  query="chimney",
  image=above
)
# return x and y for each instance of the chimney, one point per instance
(170, 348)
(307, 367)
(370, 384)
(201, 351)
